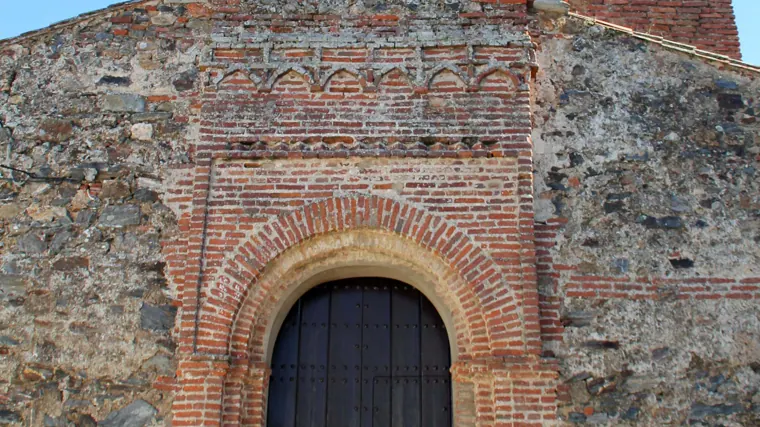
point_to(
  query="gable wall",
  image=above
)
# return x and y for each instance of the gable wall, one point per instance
(647, 230)
(189, 130)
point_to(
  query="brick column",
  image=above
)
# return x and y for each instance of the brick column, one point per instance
(503, 392)
(254, 398)
(201, 385)
(245, 392)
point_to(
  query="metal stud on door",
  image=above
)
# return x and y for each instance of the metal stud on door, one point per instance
(364, 352)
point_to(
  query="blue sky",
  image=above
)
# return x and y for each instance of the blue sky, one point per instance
(21, 16)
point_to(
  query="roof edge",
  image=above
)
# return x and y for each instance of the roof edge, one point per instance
(666, 43)
(66, 23)
(671, 45)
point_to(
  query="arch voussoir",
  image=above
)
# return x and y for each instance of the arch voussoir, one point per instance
(348, 213)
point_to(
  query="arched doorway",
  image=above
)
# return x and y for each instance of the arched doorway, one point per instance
(362, 352)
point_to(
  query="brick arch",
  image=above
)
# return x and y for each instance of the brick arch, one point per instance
(490, 307)
(284, 258)
(281, 72)
(401, 70)
(346, 254)
(234, 79)
(435, 76)
(323, 258)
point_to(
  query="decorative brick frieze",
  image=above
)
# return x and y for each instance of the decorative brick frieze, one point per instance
(312, 91)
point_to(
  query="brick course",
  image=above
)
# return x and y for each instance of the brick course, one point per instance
(707, 24)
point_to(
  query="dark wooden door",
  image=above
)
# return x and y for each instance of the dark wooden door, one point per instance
(365, 352)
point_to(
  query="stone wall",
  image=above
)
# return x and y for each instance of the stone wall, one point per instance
(647, 225)
(96, 125)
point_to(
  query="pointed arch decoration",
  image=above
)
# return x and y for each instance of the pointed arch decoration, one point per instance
(327, 76)
(494, 69)
(236, 69)
(451, 67)
(384, 72)
(283, 70)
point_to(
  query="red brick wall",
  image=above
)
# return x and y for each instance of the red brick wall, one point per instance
(364, 96)
(467, 210)
(378, 124)
(706, 24)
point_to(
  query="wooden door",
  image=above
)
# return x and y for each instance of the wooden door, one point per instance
(365, 352)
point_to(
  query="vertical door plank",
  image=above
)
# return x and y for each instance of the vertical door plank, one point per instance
(282, 385)
(345, 355)
(436, 361)
(312, 367)
(405, 353)
(376, 354)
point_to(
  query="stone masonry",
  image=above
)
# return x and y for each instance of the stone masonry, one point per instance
(579, 200)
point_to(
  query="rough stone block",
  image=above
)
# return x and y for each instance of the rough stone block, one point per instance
(114, 189)
(10, 210)
(55, 130)
(71, 263)
(7, 341)
(120, 216)
(157, 318)
(700, 410)
(12, 286)
(9, 417)
(31, 243)
(136, 414)
(142, 131)
(123, 103)
(145, 195)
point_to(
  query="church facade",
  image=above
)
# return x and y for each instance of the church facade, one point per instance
(338, 213)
